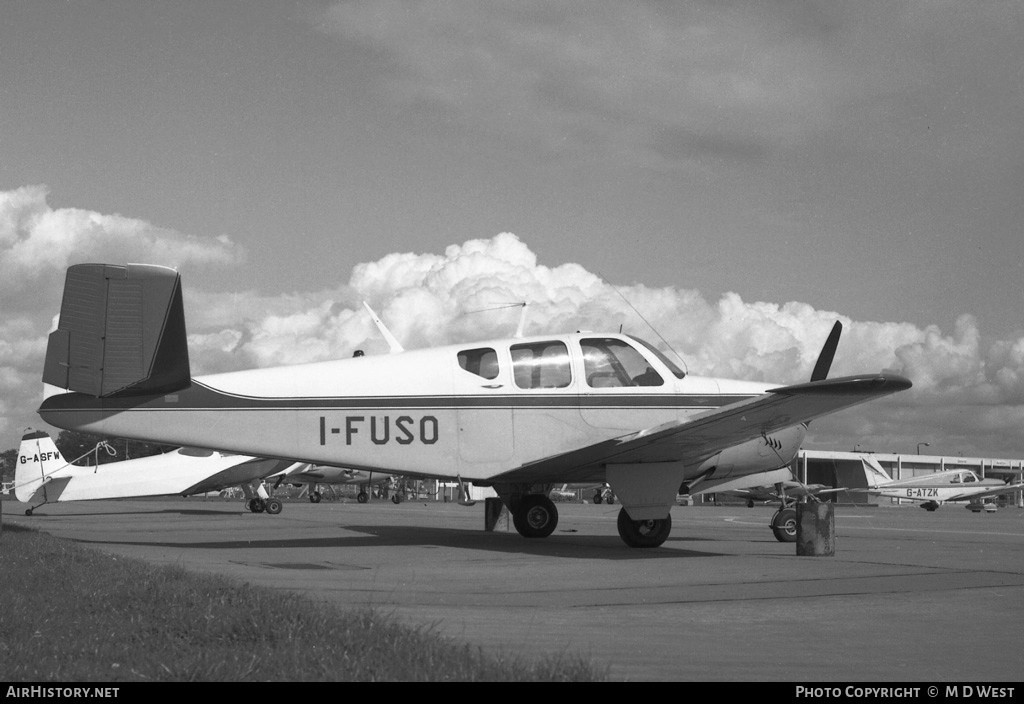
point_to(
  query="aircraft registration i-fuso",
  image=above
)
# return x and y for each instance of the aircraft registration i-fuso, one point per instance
(517, 415)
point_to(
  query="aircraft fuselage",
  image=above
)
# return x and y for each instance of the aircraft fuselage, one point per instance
(472, 410)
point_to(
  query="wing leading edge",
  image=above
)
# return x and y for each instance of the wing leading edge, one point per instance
(696, 439)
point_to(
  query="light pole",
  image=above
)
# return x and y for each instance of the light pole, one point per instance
(922, 444)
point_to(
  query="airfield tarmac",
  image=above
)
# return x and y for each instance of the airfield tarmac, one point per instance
(909, 596)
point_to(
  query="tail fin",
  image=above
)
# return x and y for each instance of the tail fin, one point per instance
(874, 473)
(121, 332)
(39, 464)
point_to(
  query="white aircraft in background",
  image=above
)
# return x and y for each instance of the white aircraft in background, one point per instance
(569, 492)
(934, 489)
(314, 475)
(43, 475)
(518, 415)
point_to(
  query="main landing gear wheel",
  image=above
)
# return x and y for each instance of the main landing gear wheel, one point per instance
(535, 516)
(643, 534)
(929, 505)
(257, 505)
(273, 506)
(784, 525)
(396, 499)
(362, 497)
(598, 498)
(314, 497)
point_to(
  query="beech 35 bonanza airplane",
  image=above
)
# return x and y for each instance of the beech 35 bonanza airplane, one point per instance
(519, 415)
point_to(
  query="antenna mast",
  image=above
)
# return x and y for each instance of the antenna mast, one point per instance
(660, 337)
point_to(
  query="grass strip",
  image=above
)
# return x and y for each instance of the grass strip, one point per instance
(69, 613)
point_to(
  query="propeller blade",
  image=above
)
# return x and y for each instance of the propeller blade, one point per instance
(827, 353)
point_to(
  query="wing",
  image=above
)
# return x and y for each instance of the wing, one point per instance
(968, 495)
(695, 439)
(994, 491)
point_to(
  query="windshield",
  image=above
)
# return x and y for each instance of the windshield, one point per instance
(679, 373)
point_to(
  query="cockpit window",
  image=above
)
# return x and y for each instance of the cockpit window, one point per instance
(482, 361)
(610, 362)
(672, 366)
(541, 365)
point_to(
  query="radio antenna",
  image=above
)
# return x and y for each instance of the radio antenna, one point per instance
(522, 315)
(654, 329)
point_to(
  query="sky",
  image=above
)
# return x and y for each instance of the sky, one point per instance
(725, 177)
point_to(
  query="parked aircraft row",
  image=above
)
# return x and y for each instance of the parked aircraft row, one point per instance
(43, 476)
(314, 476)
(518, 414)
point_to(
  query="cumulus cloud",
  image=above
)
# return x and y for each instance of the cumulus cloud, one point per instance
(968, 390)
(37, 242)
(476, 290)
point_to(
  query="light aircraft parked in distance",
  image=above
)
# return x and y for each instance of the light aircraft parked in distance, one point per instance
(43, 475)
(934, 489)
(313, 476)
(518, 415)
(602, 493)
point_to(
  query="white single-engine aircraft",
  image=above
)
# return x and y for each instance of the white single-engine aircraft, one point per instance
(518, 415)
(43, 475)
(933, 490)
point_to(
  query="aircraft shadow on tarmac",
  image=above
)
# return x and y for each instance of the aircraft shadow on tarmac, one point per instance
(604, 547)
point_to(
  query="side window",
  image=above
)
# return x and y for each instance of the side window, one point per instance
(608, 362)
(541, 365)
(482, 361)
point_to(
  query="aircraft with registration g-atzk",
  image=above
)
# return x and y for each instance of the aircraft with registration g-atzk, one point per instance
(518, 415)
(936, 488)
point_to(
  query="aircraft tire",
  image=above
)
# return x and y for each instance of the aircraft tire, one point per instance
(273, 506)
(396, 499)
(784, 525)
(314, 497)
(362, 497)
(535, 516)
(257, 506)
(643, 534)
(610, 500)
(28, 512)
(597, 498)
